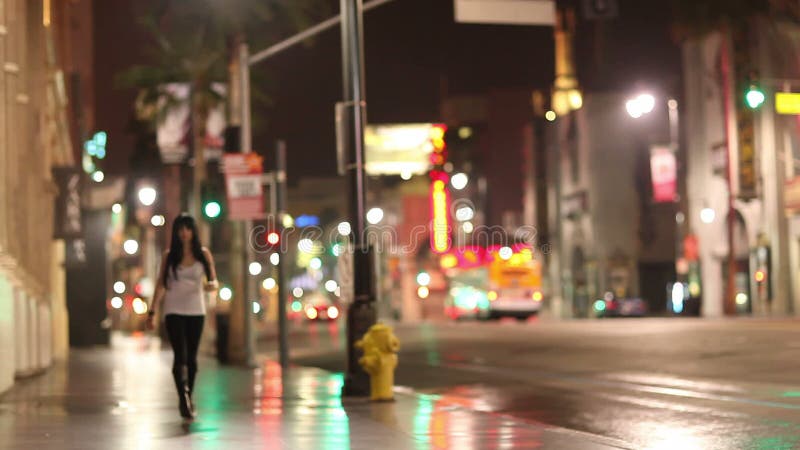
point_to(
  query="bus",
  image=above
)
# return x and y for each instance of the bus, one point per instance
(515, 283)
(493, 282)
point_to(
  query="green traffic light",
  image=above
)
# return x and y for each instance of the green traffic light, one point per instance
(212, 209)
(755, 97)
(600, 306)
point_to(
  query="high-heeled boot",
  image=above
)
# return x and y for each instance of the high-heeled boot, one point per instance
(190, 384)
(184, 399)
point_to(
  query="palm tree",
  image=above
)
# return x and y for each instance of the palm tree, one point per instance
(190, 42)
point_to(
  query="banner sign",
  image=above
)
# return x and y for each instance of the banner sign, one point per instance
(791, 195)
(75, 253)
(245, 195)
(174, 132)
(663, 171)
(68, 222)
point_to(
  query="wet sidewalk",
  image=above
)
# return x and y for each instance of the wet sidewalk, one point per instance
(124, 398)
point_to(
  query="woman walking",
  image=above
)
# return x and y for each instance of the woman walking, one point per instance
(187, 270)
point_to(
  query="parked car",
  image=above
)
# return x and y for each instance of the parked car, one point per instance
(319, 306)
(466, 302)
(612, 306)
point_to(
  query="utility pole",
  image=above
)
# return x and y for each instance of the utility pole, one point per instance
(361, 312)
(279, 211)
(250, 288)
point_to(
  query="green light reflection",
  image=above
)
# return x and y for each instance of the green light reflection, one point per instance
(429, 341)
(335, 423)
(422, 421)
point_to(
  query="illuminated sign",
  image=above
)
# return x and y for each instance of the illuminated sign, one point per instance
(787, 103)
(399, 149)
(440, 209)
(306, 221)
(663, 170)
(506, 12)
(472, 256)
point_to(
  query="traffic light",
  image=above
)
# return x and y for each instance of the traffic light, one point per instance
(212, 200)
(212, 209)
(754, 97)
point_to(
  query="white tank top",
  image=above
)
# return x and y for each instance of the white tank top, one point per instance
(185, 294)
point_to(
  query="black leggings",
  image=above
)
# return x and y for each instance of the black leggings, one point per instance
(184, 335)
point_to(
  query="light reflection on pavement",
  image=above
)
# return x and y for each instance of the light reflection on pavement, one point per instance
(656, 384)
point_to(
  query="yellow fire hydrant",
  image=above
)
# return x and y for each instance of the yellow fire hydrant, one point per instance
(380, 347)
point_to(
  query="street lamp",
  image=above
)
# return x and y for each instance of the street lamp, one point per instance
(374, 216)
(254, 268)
(344, 229)
(640, 105)
(147, 195)
(707, 215)
(459, 181)
(131, 247)
(158, 220)
(645, 103)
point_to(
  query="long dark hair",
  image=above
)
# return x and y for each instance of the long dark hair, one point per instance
(175, 254)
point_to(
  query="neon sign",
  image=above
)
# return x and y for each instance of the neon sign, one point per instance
(440, 208)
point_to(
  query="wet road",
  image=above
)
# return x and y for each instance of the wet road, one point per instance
(652, 383)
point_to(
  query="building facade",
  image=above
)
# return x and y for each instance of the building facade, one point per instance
(605, 231)
(35, 140)
(745, 158)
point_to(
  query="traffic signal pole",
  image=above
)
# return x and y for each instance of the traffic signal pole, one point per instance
(248, 254)
(278, 213)
(361, 311)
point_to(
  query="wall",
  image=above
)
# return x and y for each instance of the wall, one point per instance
(604, 184)
(34, 137)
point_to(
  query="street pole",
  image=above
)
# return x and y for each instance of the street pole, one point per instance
(728, 305)
(279, 210)
(674, 138)
(249, 251)
(361, 312)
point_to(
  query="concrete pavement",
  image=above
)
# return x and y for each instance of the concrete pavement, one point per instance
(123, 398)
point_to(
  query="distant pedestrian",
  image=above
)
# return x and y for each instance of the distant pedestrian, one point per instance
(187, 269)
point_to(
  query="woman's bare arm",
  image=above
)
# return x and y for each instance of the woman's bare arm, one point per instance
(158, 295)
(212, 283)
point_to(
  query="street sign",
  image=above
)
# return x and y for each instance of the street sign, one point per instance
(344, 266)
(787, 103)
(506, 12)
(243, 173)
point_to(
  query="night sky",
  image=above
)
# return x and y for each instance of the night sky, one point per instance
(415, 56)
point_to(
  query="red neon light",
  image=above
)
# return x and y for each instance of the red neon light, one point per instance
(440, 213)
